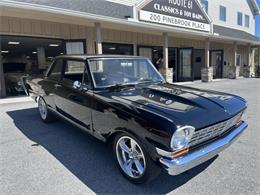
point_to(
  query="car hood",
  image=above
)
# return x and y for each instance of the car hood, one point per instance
(182, 105)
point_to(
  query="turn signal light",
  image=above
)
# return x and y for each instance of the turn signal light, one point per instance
(180, 152)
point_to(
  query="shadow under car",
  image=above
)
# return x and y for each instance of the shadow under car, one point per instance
(89, 159)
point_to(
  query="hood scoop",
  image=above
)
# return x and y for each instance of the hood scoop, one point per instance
(168, 96)
(164, 98)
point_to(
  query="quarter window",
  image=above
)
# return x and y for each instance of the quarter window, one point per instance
(247, 21)
(239, 18)
(222, 13)
(56, 70)
(73, 71)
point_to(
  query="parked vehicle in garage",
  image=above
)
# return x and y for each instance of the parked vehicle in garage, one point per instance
(151, 124)
(13, 73)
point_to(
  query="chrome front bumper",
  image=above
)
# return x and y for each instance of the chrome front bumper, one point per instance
(181, 164)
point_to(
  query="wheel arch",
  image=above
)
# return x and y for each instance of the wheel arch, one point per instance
(148, 146)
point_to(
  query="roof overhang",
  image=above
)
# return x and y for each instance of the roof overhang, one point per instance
(255, 7)
(92, 18)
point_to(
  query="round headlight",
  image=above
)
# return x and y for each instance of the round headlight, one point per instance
(182, 137)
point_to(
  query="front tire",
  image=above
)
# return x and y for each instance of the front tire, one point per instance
(133, 160)
(45, 114)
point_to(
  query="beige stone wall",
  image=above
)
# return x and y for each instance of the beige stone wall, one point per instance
(110, 35)
(37, 28)
(31, 27)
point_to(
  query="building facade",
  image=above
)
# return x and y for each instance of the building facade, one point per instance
(197, 39)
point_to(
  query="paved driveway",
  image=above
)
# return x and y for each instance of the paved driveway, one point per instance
(38, 158)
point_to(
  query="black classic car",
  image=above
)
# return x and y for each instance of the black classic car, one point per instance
(151, 125)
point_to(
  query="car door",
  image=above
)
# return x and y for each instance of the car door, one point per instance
(73, 99)
(51, 82)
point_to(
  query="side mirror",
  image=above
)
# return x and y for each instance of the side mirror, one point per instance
(85, 87)
(76, 84)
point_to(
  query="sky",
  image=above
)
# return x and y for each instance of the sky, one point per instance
(257, 26)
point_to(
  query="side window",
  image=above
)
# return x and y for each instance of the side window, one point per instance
(73, 72)
(56, 70)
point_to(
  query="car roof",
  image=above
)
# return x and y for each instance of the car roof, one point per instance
(86, 57)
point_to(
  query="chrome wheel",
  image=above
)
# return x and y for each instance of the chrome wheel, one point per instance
(42, 108)
(130, 157)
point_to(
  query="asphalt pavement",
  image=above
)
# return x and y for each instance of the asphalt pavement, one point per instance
(58, 158)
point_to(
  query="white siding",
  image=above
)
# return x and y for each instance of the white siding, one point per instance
(232, 7)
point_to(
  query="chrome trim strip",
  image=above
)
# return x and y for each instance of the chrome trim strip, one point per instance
(163, 153)
(181, 164)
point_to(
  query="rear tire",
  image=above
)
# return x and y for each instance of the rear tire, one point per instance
(133, 160)
(45, 114)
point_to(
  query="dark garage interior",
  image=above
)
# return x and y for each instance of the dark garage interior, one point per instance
(22, 56)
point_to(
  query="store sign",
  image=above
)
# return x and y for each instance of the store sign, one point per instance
(179, 13)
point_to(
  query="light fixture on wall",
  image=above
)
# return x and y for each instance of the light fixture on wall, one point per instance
(34, 52)
(4, 51)
(112, 48)
(13, 43)
(61, 53)
(54, 45)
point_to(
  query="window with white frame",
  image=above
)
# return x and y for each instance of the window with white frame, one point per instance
(222, 13)
(239, 18)
(247, 21)
(74, 47)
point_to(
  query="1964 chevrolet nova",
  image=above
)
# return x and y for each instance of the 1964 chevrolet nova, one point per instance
(150, 124)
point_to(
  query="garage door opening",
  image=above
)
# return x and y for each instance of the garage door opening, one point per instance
(23, 56)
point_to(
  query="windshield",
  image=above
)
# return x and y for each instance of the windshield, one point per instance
(110, 72)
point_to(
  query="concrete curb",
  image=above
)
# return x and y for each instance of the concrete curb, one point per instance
(11, 100)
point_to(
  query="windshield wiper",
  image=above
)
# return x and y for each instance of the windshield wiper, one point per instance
(149, 81)
(122, 85)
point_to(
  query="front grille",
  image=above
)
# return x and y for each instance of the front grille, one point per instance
(213, 131)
